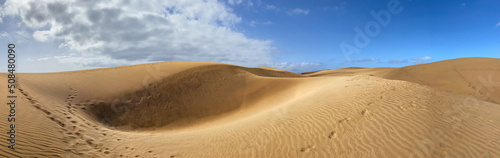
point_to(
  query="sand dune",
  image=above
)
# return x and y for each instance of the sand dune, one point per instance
(473, 77)
(198, 109)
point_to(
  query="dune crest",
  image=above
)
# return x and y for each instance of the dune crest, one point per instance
(474, 77)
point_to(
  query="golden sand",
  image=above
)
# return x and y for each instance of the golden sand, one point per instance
(198, 109)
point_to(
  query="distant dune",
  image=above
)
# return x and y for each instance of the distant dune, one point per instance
(473, 77)
(200, 109)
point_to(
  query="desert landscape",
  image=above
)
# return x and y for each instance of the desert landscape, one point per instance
(448, 108)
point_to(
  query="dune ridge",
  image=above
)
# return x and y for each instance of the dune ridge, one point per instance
(473, 77)
(198, 109)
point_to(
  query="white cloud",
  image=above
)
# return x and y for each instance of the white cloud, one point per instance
(43, 59)
(363, 60)
(271, 7)
(93, 61)
(41, 36)
(421, 60)
(298, 11)
(4, 35)
(297, 67)
(498, 24)
(397, 61)
(128, 31)
(23, 34)
(2, 14)
(250, 3)
(267, 23)
(234, 2)
(254, 23)
(33, 65)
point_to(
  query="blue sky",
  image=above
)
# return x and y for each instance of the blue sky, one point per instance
(294, 35)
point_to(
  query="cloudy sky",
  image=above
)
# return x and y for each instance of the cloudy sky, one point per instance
(295, 35)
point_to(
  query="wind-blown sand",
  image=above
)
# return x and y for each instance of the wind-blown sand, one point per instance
(199, 109)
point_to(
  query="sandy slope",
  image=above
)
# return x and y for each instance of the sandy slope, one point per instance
(474, 77)
(196, 109)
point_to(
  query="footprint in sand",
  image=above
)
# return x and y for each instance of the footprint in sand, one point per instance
(90, 142)
(364, 112)
(332, 135)
(345, 120)
(307, 149)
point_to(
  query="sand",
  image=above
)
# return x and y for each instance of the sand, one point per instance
(199, 109)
